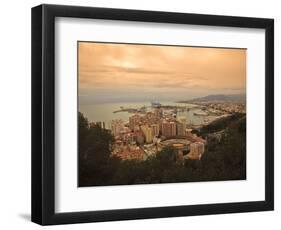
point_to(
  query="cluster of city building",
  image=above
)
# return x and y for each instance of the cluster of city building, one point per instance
(225, 107)
(147, 134)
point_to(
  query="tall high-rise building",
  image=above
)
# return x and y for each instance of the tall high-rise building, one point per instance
(148, 133)
(173, 128)
(134, 121)
(180, 129)
(165, 129)
(169, 128)
(155, 129)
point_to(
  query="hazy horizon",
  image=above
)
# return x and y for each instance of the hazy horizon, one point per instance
(133, 73)
(92, 100)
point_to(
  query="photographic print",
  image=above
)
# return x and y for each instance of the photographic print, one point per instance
(126, 103)
(151, 114)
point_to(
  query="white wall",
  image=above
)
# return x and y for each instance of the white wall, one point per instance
(15, 113)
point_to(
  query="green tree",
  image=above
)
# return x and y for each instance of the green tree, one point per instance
(94, 153)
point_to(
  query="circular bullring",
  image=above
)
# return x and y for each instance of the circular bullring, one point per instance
(180, 144)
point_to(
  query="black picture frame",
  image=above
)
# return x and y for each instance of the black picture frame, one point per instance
(43, 114)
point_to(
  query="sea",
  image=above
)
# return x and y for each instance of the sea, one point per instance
(104, 112)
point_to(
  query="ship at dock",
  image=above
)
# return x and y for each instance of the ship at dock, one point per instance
(143, 110)
(200, 114)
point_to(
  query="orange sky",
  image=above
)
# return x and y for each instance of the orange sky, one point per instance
(115, 72)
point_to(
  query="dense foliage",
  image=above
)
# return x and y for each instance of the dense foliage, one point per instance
(223, 160)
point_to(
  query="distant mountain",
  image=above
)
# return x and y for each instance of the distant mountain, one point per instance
(218, 98)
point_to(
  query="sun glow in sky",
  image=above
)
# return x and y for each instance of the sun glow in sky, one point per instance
(111, 72)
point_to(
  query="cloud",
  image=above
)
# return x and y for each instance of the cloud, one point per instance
(159, 69)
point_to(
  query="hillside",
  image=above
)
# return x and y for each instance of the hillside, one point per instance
(218, 98)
